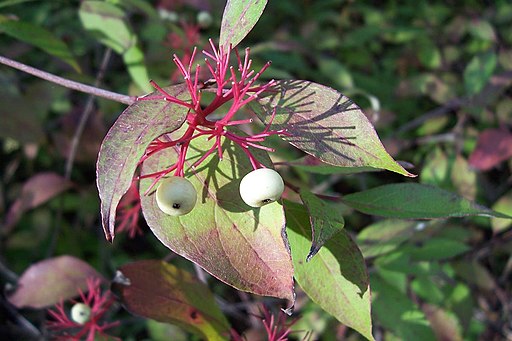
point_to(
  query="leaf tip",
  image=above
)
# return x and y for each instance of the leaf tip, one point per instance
(313, 251)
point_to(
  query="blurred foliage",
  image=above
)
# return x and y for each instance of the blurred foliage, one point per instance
(431, 75)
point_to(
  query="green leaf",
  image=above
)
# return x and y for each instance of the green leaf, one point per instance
(396, 312)
(415, 201)
(134, 60)
(437, 249)
(313, 165)
(326, 220)
(242, 246)
(125, 144)
(479, 71)
(504, 204)
(238, 20)
(336, 279)
(384, 236)
(38, 37)
(326, 124)
(108, 23)
(165, 293)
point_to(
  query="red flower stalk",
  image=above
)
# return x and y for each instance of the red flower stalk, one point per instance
(277, 330)
(68, 329)
(235, 85)
(128, 212)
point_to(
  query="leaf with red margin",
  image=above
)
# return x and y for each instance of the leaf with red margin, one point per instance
(125, 144)
(165, 293)
(48, 282)
(493, 147)
(326, 124)
(36, 191)
(238, 19)
(242, 246)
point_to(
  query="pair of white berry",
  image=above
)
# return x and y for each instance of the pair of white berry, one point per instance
(176, 196)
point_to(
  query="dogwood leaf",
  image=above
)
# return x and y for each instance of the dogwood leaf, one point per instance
(165, 293)
(242, 246)
(326, 124)
(125, 144)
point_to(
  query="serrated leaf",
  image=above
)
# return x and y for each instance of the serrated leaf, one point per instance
(326, 221)
(61, 277)
(238, 19)
(125, 144)
(336, 279)
(38, 37)
(415, 201)
(326, 124)
(242, 246)
(165, 293)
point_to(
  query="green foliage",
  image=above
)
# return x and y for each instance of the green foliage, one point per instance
(432, 79)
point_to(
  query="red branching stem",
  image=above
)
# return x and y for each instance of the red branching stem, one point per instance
(98, 302)
(235, 85)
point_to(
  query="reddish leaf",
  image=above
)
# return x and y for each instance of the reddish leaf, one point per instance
(165, 293)
(47, 282)
(493, 147)
(125, 144)
(37, 190)
(242, 246)
(326, 124)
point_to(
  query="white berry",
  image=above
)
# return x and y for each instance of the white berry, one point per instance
(261, 186)
(81, 313)
(176, 196)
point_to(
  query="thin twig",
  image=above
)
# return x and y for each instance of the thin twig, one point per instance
(74, 146)
(85, 116)
(68, 83)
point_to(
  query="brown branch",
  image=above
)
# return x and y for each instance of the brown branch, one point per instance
(68, 83)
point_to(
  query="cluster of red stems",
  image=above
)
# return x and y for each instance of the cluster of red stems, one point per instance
(235, 84)
(99, 302)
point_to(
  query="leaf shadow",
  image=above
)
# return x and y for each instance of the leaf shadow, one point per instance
(301, 110)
